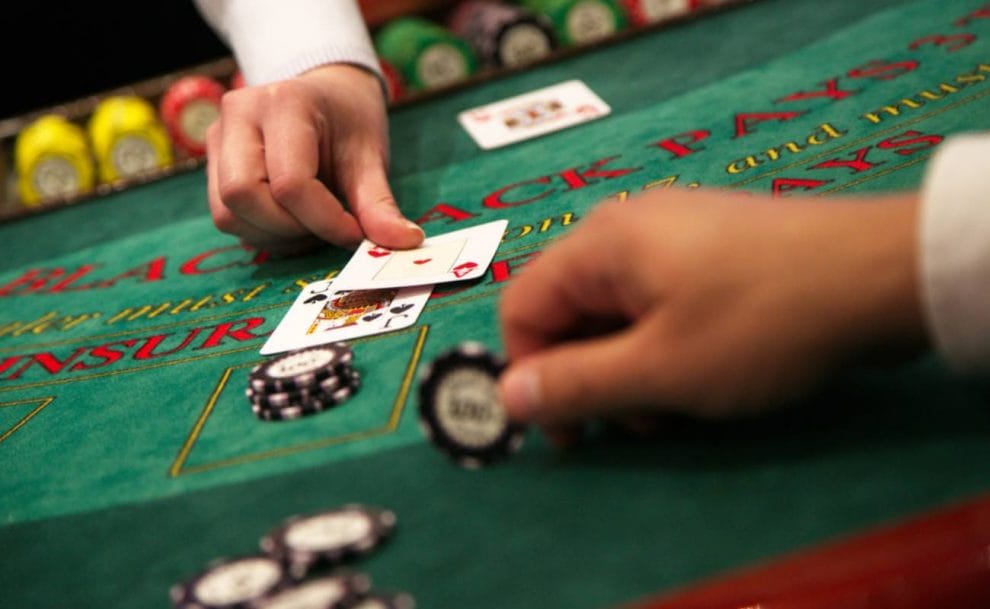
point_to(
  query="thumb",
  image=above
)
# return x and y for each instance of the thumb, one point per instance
(576, 380)
(372, 203)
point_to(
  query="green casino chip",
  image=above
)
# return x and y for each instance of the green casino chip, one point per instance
(426, 54)
(580, 22)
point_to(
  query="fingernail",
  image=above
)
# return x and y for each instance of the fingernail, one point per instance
(520, 393)
(416, 227)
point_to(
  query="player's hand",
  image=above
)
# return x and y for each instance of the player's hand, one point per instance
(707, 303)
(305, 159)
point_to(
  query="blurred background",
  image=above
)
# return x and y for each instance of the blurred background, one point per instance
(60, 51)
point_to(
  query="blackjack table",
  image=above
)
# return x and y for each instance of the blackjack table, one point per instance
(129, 325)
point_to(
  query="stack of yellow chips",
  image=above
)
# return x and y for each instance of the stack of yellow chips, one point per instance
(128, 138)
(53, 160)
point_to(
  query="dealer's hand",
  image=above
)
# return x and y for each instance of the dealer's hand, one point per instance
(707, 303)
(306, 159)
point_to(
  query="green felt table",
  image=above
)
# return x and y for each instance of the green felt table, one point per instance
(130, 457)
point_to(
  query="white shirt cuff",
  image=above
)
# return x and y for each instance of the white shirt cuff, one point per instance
(278, 40)
(955, 252)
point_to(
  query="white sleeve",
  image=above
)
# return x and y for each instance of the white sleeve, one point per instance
(955, 252)
(273, 40)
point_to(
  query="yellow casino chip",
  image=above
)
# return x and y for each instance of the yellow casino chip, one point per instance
(128, 138)
(53, 160)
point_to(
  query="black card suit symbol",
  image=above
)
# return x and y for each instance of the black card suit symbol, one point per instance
(391, 319)
(401, 308)
(371, 316)
(315, 298)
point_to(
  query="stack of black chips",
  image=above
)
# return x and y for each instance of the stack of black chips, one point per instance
(304, 382)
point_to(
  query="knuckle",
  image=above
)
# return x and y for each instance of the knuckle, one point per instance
(384, 200)
(237, 191)
(232, 100)
(286, 188)
(225, 221)
(281, 91)
(283, 94)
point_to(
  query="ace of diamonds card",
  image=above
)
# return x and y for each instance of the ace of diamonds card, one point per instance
(455, 256)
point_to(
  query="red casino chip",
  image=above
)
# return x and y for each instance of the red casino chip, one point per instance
(648, 12)
(393, 81)
(188, 108)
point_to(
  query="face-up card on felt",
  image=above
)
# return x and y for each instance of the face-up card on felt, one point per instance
(461, 254)
(323, 314)
(533, 114)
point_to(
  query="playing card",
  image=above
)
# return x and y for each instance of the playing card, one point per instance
(533, 114)
(462, 254)
(323, 314)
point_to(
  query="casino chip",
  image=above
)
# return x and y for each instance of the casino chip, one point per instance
(427, 55)
(338, 591)
(328, 539)
(128, 138)
(579, 22)
(53, 160)
(302, 369)
(231, 584)
(303, 382)
(395, 88)
(188, 108)
(646, 12)
(459, 408)
(503, 34)
(386, 600)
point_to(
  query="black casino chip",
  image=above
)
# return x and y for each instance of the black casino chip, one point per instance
(289, 412)
(337, 591)
(386, 600)
(352, 378)
(234, 583)
(278, 399)
(459, 408)
(503, 34)
(303, 383)
(328, 539)
(302, 369)
(295, 405)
